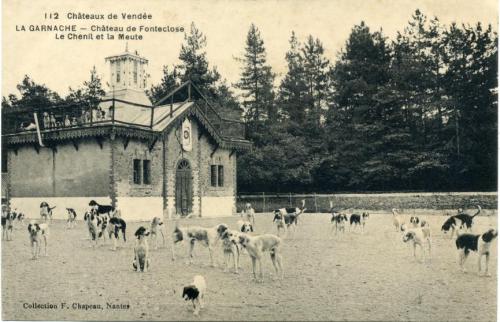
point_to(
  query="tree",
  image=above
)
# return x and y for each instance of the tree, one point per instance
(293, 89)
(169, 82)
(33, 95)
(194, 65)
(90, 94)
(256, 81)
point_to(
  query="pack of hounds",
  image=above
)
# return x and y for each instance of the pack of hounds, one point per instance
(105, 222)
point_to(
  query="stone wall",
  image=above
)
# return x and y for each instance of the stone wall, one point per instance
(64, 172)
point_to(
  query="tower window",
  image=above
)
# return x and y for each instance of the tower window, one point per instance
(118, 71)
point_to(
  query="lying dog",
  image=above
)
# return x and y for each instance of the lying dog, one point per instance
(206, 236)
(460, 221)
(244, 226)
(71, 217)
(195, 292)
(256, 246)
(156, 227)
(37, 232)
(230, 249)
(115, 226)
(141, 250)
(102, 209)
(46, 211)
(477, 243)
(418, 236)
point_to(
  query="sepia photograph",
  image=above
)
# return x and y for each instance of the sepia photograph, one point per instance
(249, 160)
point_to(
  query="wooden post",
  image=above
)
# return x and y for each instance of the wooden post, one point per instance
(152, 116)
(315, 203)
(171, 105)
(290, 199)
(113, 111)
(263, 202)
(189, 91)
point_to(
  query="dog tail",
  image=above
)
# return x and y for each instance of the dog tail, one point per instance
(478, 211)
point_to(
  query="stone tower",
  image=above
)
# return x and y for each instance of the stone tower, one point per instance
(128, 77)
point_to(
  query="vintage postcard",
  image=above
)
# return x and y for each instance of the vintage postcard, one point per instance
(282, 160)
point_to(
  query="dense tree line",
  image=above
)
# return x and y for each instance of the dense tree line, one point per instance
(418, 112)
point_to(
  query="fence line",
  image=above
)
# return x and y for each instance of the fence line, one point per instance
(266, 202)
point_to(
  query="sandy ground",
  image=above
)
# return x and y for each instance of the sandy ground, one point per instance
(370, 276)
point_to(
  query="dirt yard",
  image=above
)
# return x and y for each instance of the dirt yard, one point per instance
(370, 276)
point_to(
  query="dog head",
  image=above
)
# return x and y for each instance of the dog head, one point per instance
(231, 236)
(177, 235)
(365, 215)
(246, 227)
(157, 221)
(92, 203)
(447, 224)
(243, 240)
(141, 232)
(221, 228)
(489, 235)
(44, 204)
(414, 220)
(408, 236)
(33, 229)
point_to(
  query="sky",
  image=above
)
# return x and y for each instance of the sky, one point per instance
(61, 63)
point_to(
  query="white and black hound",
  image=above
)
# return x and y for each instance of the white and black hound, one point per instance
(256, 246)
(96, 226)
(7, 225)
(286, 217)
(157, 229)
(141, 250)
(37, 232)
(46, 211)
(71, 217)
(415, 221)
(338, 221)
(477, 243)
(206, 236)
(102, 209)
(418, 236)
(115, 226)
(195, 292)
(459, 221)
(358, 220)
(245, 226)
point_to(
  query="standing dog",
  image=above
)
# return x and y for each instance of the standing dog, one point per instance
(71, 217)
(141, 250)
(279, 220)
(477, 243)
(157, 227)
(459, 221)
(37, 232)
(195, 292)
(418, 236)
(249, 213)
(46, 211)
(97, 227)
(231, 249)
(256, 246)
(115, 226)
(102, 209)
(397, 221)
(206, 236)
(7, 224)
(339, 221)
(359, 220)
